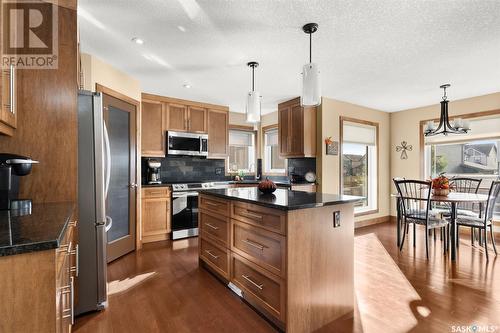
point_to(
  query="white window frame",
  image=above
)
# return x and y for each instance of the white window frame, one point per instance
(267, 158)
(252, 160)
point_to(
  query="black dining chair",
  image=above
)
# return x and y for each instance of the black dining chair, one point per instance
(482, 223)
(466, 185)
(414, 198)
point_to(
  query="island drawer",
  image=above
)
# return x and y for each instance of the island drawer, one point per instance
(216, 205)
(267, 218)
(263, 289)
(215, 256)
(265, 248)
(215, 227)
(155, 192)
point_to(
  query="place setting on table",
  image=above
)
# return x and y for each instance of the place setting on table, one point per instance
(445, 204)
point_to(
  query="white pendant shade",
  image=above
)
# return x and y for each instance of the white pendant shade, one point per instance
(311, 85)
(253, 107)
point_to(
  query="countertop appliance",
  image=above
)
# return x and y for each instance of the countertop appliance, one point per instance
(185, 207)
(183, 143)
(12, 167)
(94, 165)
(153, 171)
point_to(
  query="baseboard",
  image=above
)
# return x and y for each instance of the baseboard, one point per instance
(375, 220)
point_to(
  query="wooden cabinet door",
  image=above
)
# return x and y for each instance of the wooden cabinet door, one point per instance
(197, 119)
(152, 129)
(155, 219)
(296, 134)
(8, 114)
(218, 133)
(284, 130)
(177, 117)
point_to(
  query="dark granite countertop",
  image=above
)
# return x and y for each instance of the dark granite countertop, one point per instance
(43, 229)
(282, 199)
(231, 182)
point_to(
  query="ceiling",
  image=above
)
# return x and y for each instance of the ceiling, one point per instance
(389, 55)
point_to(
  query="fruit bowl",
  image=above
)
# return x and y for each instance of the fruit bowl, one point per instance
(267, 186)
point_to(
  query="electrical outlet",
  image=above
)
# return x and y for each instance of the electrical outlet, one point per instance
(336, 219)
(219, 171)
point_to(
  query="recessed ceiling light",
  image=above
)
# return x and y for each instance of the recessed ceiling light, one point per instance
(187, 86)
(181, 28)
(137, 40)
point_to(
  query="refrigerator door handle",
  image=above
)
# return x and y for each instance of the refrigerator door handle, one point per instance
(109, 223)
(108, 160)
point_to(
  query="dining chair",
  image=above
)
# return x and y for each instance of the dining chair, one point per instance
(414, 197)
(482, 223)
(466, 185)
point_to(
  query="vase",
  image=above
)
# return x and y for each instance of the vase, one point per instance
(441, 192)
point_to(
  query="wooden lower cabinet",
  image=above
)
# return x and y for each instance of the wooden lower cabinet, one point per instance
(304, 187)
(156, 214)
(293, 266)
(38, 288)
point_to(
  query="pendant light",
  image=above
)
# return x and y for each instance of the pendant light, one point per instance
(253, 98)
(311, 84)
(457, 126)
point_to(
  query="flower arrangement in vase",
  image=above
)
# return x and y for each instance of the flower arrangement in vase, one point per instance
(441, 185)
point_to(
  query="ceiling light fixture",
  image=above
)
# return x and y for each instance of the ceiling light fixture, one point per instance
(137, 40)
(311, 84)
(457, 126)
(253, 99)
(187, 86)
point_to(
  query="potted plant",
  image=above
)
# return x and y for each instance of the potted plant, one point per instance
(441, 185)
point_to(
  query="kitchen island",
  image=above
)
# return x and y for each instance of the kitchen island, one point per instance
(289, 254)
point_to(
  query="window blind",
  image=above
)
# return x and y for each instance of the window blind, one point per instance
(359, 133)
(240, 138)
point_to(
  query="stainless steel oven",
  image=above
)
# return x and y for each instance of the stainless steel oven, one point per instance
(184, 214)
(183, 143)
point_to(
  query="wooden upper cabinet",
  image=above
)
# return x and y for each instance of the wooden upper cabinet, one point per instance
(218, 133)
(297, 129)
(197, 119)
(177, 117)
(8, 112)
(153, 129)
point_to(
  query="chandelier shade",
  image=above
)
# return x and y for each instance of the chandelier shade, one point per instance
(311, 81)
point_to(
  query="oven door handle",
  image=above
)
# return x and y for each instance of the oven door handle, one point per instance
(184, 194)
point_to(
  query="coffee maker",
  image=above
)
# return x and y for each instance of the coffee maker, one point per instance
(154, 171)
(12, 167)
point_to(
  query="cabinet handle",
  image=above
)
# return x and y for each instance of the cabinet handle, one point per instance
(212, 226)
(253, 244)
(72, 279)
(211, 254)
(12, 89)
(246, 277)
(76, 268)
(252, 215)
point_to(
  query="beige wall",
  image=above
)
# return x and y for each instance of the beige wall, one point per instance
(405, 126)
(96, 71)
(328, 166)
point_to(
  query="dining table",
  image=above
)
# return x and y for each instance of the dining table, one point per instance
(453, 199)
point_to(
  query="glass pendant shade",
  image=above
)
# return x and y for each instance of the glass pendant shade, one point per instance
(253, 107)
(311, 85)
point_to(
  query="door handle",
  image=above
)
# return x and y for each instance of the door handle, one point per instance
(109, 223)
(132, 185)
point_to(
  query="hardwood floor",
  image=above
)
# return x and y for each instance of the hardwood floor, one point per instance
(161, 289)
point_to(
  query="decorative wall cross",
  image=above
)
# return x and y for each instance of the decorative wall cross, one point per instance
(403, 149)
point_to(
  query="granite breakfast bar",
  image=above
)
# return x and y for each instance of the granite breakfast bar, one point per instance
(289, 254)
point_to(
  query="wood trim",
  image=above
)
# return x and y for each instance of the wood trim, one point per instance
(341, 135)
(118, 95)
(290, 102)
(70, 4)
(241, 128)
(166, 99)
(422, 123)
(375, 220)
(138, 124)
(269, 127)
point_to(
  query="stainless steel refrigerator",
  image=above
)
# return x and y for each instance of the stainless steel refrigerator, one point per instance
(93, 183)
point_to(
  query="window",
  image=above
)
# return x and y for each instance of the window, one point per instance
(474, 155)
(273, 163)
(359, 163)
(241, 151)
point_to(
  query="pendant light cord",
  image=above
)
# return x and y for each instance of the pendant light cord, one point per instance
(310, 47)
(253, 78)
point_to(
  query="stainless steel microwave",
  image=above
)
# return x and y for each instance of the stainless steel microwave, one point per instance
(183, 143)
